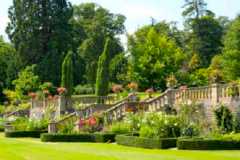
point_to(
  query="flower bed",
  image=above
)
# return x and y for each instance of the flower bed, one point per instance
(21, 134)
(208, 144)
(134, 141)
(97, 137)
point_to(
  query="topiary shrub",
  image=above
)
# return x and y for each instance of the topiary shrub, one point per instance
(208, 144)
(102, 80)
(21, 134)
(134, 141)
(104, 137)
(67, 138)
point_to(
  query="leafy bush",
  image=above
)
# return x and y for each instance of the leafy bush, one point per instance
(67, 128)
(1, 125)
(83, 89)
(120, 128)
(208, 144)
(191, 117)
(158, 125)
(24, 124)
(146, 142)
(18, 134)
(224, 119)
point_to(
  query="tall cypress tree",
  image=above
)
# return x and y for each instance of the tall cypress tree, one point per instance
(102, 81)
(67, 74)
(39, 30)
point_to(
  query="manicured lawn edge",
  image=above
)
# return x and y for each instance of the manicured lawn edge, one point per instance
(134, 141)
(207, 144)
(22, 134)
(97, 137)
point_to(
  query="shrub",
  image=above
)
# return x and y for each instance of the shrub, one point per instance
(208, 144)
(97, 137)
(104, 137)
(146, 142)
(158, 125)
(67, 138)
(83, 89)
(224, 119)
(18, 134)
(120, 128)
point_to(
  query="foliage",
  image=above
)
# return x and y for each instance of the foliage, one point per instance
(224, 119)
(133, 141)
(102, 81)
(42, 46)
(154, 56)
(120, 128)
(83, 89)
(231, 51)
(191, 120)
(92, 25)
(24, 124)
(26, 82)
(9, 66)
(67, 74)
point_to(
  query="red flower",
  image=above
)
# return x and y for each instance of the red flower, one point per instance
(81, 123)
(92, 121)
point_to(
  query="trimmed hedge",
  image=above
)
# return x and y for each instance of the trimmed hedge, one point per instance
(207, 144)
(134, 141)
(22, 134)
(104, 137)
(97, 137)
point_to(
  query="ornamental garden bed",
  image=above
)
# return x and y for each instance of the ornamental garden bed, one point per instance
(84, 137)
(23, 134)
(208, 144)
(134, 141)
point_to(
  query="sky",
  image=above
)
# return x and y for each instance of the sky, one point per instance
(139, 12)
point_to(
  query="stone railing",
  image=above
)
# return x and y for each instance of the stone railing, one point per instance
(209, 96)
(87, 112)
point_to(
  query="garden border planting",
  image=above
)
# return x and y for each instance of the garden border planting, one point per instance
(134, 141)
(208, 144)
(97, 137)
(22, 134)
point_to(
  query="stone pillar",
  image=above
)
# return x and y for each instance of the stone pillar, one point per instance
(61, 104)
(171, 97)
(215, 94)
(52, 127)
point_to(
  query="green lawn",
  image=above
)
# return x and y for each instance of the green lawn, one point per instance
(33, 149)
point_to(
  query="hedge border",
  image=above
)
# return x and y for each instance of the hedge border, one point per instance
(23, 134)
(97, 137)
(207, 144)
(134, 141)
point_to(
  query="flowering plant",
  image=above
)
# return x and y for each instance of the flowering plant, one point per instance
(133, 86)
(61, 90)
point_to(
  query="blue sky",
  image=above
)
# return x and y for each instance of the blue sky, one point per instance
(138, 12)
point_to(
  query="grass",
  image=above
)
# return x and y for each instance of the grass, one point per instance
(33, 149)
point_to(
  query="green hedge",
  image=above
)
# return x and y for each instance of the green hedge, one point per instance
(146, 142)
(207, 144)
(97, 137)
(19, 134)
(104, 137)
